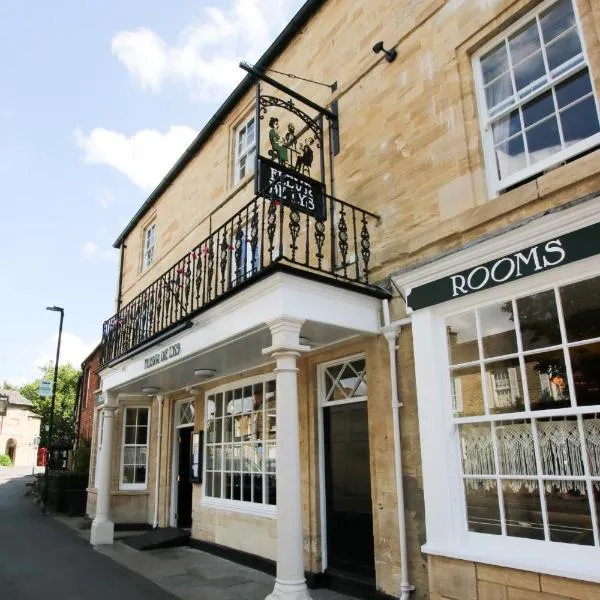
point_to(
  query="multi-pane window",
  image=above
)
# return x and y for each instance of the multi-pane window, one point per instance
(241, 431)
(346, 380)
(245, 149)
(134, 457)
(529, 424)
(536, 100)
(149, 245)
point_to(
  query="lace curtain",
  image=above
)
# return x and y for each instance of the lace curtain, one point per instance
(560, 451)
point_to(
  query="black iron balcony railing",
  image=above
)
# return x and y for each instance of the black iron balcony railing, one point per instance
(263, 235)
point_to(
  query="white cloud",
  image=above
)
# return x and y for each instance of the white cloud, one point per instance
(72, 349)
(91, 251)
(107, 198)
(207, 53)
(144, 158)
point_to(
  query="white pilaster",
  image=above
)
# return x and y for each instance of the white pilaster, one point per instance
(102, 527)
(290, 583)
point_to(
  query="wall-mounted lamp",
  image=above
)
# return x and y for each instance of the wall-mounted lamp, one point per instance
(204, 372)
(150, 390)
(390, 55)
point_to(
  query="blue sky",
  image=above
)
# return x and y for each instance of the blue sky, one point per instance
(97, 101)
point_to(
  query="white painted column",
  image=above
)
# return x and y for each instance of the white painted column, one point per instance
(102, 527)
(290, 583)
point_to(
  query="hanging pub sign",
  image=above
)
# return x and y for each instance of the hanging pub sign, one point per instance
(291, 188)
(555, 252)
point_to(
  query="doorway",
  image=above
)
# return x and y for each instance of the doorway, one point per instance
(346, 507)
(181, 483)
(11, 450)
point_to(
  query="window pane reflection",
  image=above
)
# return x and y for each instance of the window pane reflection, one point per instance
(498, 330)
(538, 320)
(547, 380)
(522, 508)
(585, 362)
(483, 510)
(581, 307)
(467, 393)
(569, 513)
(462, 338)
(505, 386)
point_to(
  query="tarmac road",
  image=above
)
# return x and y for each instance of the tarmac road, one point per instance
(41, 559)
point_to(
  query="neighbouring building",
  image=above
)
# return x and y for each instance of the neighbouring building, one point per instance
(88, 389)
(19, 429)
(356, 333)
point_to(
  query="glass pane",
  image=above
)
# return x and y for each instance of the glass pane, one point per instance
(228, 486)
(498, 91)
(530, 74)
(560, 447)
(510, 157)
(250, 130)
(236, 482)
(142, 416)
(506, 127)
(515, 448)
(483, 511)
(141, 457)
(247, 487)
(128, 455)
(557, 19)
(462, 338)
(543, 140)
(271, 490)
(219, 409)
(476, 449)
(522, 508)
(217, 485)
(130, 415)
(210, 407)
(208, 483)
(498, 334)
(210, 458)
(524, 43)
(538, 320)
(128, 474)
(569, 512)
(581, 308)
(257, 489)
(563, 49)
(547, 380)
(585, 362)
(130, 435)
(538, 108)
(505, 389)
(494, 63)
(140, 475)
(591, 431)
(467, 382)
(573, 88)
(271, 461)
(142, 435)
(218, 466)
(580, 121)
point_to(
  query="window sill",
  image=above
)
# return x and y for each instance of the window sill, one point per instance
(247, 508)
(131, 492)
(549, 558)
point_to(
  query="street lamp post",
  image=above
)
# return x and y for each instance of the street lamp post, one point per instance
(51, 423)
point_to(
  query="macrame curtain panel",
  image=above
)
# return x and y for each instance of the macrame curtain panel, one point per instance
(560, 451)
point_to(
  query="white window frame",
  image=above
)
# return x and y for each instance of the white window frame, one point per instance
(252, 508)
(495, 185)
(134, 486)
(148, 252)
(244, 153)
(445, 506)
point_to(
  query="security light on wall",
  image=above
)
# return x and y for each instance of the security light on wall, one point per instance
(390, 55)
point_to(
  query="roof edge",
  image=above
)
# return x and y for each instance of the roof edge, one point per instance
(273, 51)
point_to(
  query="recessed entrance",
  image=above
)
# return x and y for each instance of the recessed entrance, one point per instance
(181, 498)
(347, 507)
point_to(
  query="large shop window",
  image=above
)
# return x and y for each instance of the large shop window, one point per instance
(241, 430)
(528, 423)
(134, 457)
(536, 101)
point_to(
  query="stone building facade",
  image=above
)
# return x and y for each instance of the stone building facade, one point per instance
(451, 338)
(19, 430)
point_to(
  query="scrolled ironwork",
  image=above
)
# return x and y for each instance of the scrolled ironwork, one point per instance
(365, 246)
(342, 235)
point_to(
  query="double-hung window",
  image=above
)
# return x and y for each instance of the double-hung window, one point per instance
(535, 94)
(134, 455)
(241, 432)
(149, 245)
(245, 149)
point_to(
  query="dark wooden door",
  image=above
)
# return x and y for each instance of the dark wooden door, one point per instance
(350, 546)
(184, 478)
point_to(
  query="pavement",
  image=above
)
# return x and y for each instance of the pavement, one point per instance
(50, 558)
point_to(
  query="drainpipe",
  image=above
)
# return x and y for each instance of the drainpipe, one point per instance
(391, 331)
(160, 400)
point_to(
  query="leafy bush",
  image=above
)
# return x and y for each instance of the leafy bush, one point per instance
(5, 460)
(81, 459)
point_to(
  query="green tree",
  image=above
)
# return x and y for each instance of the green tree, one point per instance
(64, 407)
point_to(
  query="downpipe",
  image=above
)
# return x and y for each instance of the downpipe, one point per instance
(391, 331)
(160, 400)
